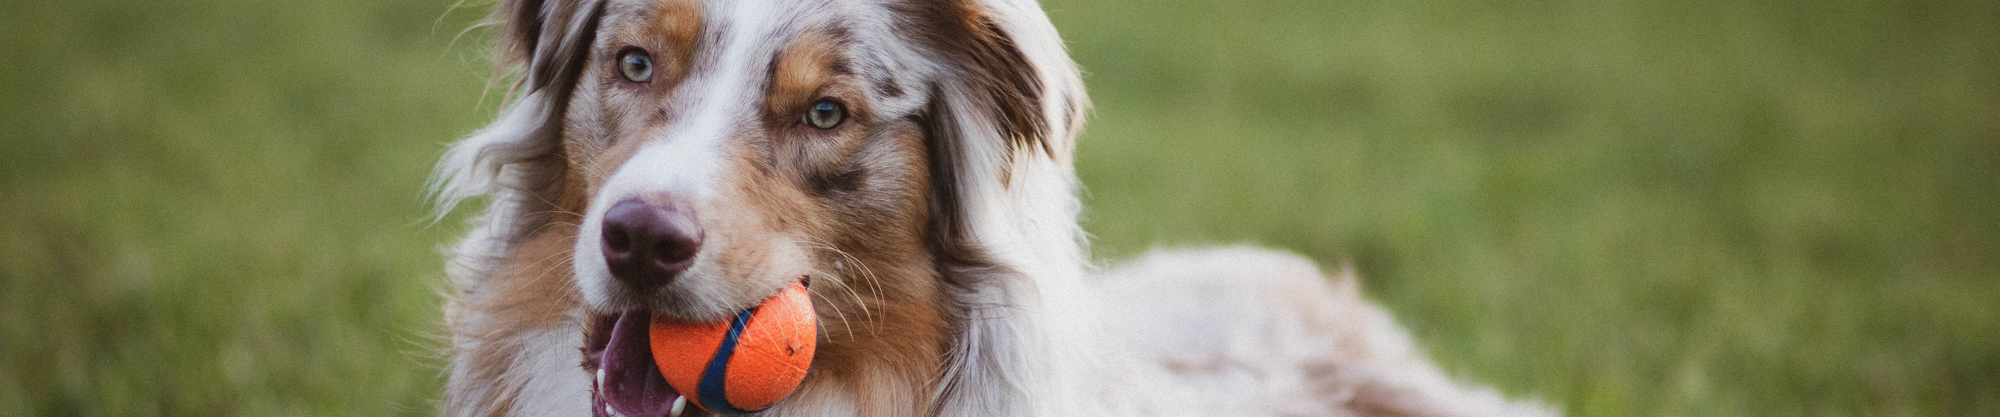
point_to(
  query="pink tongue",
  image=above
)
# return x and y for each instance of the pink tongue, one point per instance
(632, 384)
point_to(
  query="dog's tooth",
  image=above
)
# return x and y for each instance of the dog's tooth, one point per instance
(679, 405)
(600, 378)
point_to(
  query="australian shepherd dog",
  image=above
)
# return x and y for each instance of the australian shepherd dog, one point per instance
(911, 159)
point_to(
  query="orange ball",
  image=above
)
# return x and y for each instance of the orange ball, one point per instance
(743, 364)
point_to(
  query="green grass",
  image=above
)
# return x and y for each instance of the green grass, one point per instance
(1652, 207)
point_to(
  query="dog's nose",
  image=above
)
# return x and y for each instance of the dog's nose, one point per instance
(647, 245)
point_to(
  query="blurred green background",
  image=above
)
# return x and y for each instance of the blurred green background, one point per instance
(1624, 207)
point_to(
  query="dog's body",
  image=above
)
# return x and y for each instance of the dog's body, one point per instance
(911, 161)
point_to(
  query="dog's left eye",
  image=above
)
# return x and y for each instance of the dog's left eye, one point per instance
(825, 114)
(636, 65)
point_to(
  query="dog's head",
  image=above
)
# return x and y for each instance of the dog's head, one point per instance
(706, 153)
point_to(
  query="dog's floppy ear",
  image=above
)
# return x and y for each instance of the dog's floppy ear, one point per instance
(1020, 86)
(547, 39)
(1009, 101)
(515, 159)
(1005, 84)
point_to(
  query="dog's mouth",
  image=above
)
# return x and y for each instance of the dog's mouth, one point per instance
(628, 382)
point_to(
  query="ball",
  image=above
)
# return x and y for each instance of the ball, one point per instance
(743, 364)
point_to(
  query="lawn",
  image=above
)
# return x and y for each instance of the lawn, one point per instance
(1626, 207)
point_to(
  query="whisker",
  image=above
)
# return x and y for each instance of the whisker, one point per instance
(566, 256)
(851, 294)
(563, 291)
(874, 281)
(588, 169)
(865, 311)
(538, 230)
(844, 321)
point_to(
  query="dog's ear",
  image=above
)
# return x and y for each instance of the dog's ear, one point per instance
(1008, 102)
(1020, 86)
(1005, 85)
(547, 39)
(516, 158)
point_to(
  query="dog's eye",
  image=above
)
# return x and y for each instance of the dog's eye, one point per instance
(825, 114)
(636, 65)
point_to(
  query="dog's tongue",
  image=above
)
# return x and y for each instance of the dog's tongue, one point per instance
(631, 384)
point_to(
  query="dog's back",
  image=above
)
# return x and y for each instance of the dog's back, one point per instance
(1248, 331)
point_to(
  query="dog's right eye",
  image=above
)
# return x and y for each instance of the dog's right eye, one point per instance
(825, 114)
(636, 65)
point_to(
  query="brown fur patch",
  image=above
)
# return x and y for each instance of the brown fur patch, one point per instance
(535, 281)
(798, 73)
(679, 23)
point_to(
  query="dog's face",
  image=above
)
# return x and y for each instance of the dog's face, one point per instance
(728, 149)
(690, 158)
(711, 153)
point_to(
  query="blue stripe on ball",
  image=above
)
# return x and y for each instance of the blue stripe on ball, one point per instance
(710, 391)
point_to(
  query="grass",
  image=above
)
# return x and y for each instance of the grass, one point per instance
(1624, 207)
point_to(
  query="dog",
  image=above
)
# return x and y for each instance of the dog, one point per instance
(911, 161)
